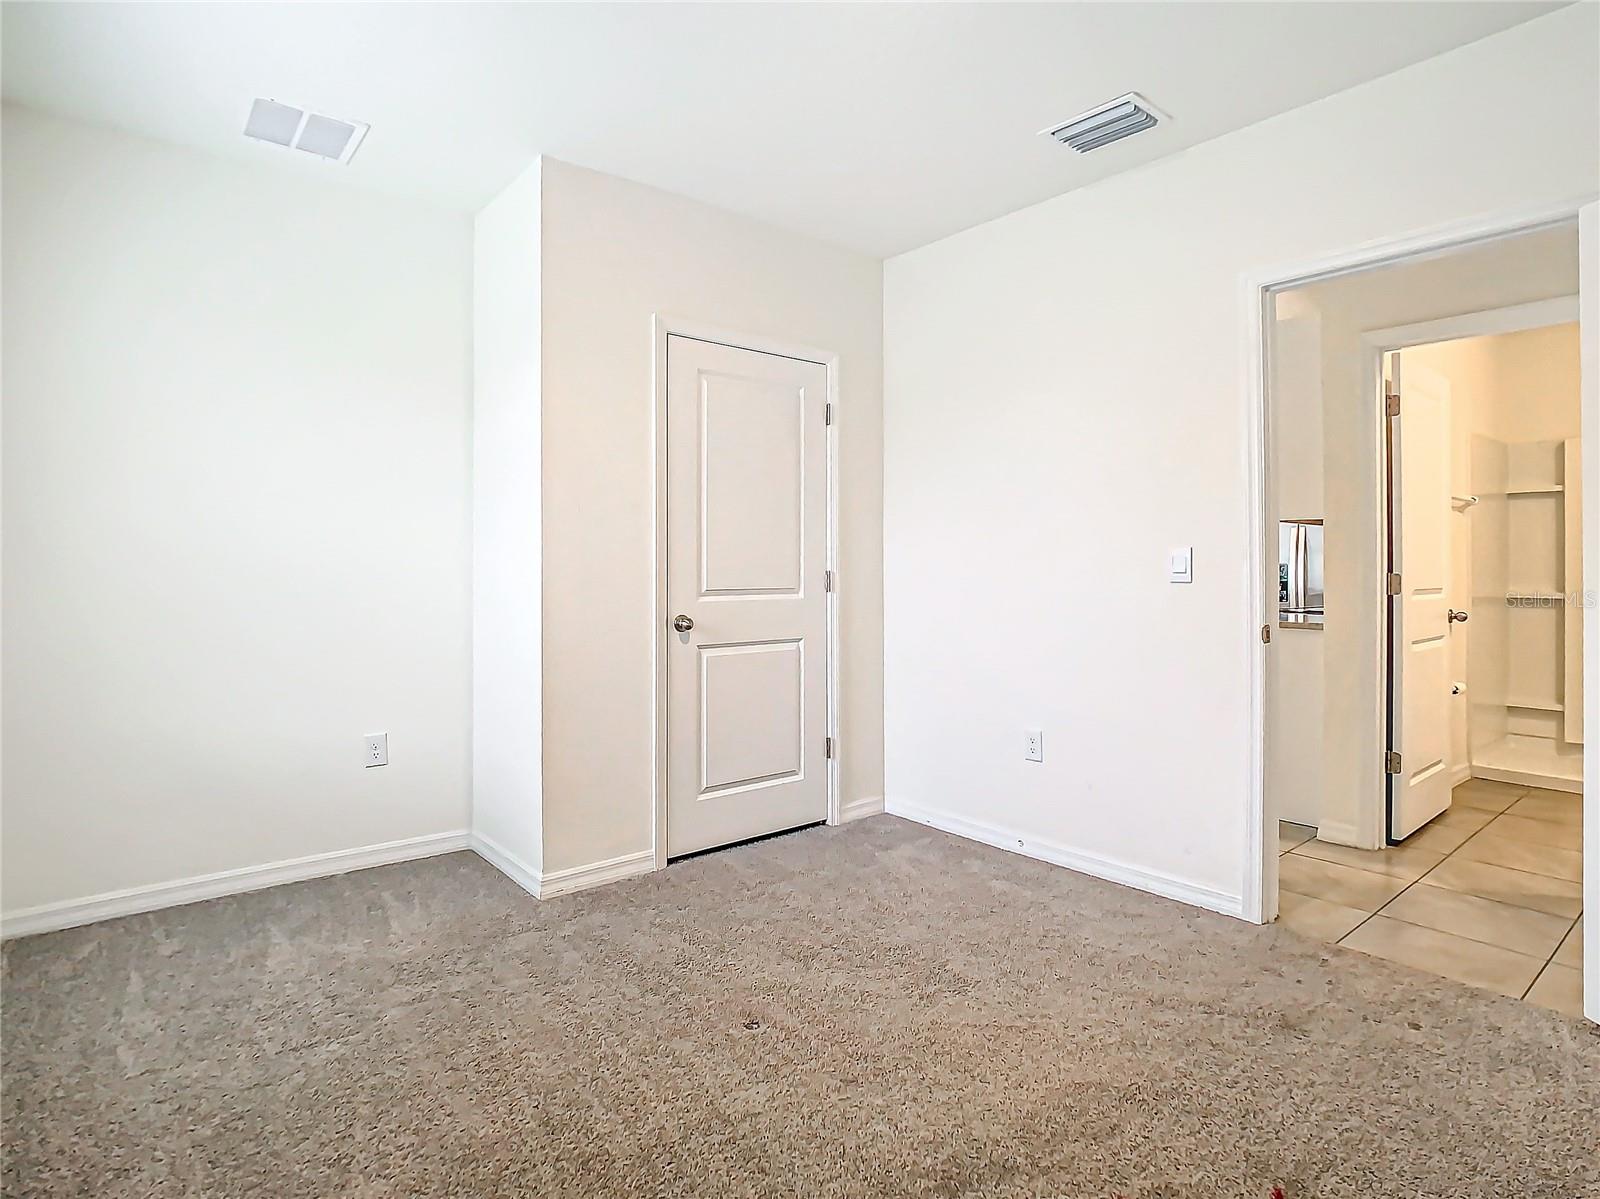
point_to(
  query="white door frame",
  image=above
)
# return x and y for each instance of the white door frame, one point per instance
(1259, 884)
(662, 327)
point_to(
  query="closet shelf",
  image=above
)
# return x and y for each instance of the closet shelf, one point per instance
(1535, 705)
(1522, 701)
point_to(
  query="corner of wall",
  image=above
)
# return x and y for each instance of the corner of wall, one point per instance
(616, 255)
(507, 758)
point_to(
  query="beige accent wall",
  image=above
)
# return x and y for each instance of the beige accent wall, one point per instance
(614, 253)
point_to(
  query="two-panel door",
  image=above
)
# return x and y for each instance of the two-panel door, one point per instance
(747, 497)
(1420, 705)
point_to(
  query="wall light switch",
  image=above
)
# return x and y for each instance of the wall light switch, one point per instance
(378, 749)
(1034, 751)
(1180, 565)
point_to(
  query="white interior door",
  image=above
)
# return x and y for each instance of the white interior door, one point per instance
(747, 493)
(1420, 705)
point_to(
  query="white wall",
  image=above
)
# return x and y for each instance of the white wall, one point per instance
(1065, 402)
(1535, 376)
(506, 528)
(235, 514)
(1353, 738)
(1294, 749)
(614, 254)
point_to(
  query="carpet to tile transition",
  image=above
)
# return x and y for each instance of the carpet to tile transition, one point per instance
(873, 1010)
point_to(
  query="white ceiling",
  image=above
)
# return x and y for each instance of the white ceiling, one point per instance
(880, 127)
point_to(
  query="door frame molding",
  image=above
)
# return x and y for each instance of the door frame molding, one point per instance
(1259, 882)
(663, 326)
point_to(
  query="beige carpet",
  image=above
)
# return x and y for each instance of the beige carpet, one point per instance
(873, 1010)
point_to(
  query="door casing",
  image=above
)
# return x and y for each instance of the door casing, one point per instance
(662, 327)
(1259, 884)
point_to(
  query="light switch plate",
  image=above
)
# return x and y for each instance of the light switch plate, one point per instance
(1180, 565)
(378, 749)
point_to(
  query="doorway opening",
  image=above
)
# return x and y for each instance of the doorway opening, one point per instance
(1485, 487)
(1424, 719)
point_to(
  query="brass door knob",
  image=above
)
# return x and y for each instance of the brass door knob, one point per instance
(682, 623)
(1457, 616)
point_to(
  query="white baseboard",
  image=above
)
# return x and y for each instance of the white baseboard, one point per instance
(860, 809)
(1084, 863)
(50, 917)
(545, 885)
(596, 874)
(1337, 833)
(1528, 778)
(507, 863)
(128, 902)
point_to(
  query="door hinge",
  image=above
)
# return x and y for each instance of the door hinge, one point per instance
(1393, 403)
(1391, 762)
(827, 414)
(1392, 585)
(827, 743)
(1266, 634)
(827, 580)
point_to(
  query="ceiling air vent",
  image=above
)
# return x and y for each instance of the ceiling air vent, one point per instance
(1122, 117)
(283, 125)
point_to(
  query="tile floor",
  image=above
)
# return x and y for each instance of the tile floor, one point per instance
(1488, 894)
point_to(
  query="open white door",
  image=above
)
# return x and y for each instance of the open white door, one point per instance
(1589, 339)
(1419, 702)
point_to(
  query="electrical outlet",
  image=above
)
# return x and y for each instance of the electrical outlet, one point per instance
(378, 749)
(1035, 746)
